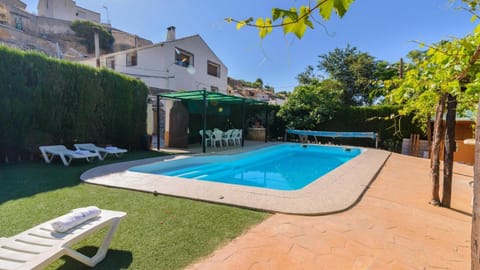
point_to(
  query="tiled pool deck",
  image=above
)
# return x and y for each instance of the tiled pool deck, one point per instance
(392, 227)
(334, 192)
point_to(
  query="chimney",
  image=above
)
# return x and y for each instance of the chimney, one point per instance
(170, 33)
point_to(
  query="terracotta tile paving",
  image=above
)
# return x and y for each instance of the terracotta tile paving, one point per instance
(392, 227)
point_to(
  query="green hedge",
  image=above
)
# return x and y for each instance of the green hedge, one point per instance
(373, 119)
(45, 101)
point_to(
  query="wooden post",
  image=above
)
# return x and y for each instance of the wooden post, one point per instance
(450, 147)
(435, 154)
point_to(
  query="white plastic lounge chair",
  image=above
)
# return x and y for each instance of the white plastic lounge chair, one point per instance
(101, 151)
(66, 155)
(39, 246)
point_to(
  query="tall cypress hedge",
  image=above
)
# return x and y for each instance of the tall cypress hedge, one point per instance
(373, 119)
(44, 101)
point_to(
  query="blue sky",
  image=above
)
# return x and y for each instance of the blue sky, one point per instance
(383, 28)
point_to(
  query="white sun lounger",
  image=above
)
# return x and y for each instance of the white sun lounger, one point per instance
(66, 155)
(101, 151)
(37, 247)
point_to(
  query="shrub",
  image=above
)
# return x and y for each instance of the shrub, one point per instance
(372, 119)
(47, 101)
(86, 30)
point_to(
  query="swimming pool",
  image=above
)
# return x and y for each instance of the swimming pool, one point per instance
(280, 167)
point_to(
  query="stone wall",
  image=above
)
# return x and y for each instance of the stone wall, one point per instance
(30, 32)
(18, 39)
(125, 41)
(48, 26)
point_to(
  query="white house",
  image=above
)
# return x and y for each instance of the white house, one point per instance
(182, 64)
(176, 64)
(66, 10)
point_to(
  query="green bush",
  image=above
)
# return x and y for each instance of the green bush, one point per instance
(377, 119)
(86, 31)
(46, 101)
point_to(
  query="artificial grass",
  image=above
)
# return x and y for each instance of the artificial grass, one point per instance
(160, 232)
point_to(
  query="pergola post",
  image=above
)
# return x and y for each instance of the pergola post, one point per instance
(266, 123)
(204, 124)
(158, 123)
(243, 123)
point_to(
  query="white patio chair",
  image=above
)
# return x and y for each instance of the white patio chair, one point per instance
(217, 136)
(235, 135)
(238, 137)
(227, 137)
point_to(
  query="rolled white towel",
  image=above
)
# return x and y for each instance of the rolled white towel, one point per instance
(75, 218)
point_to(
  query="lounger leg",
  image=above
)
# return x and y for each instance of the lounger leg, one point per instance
(66, 160)
(102, 250)
(46, 157)
(102, 157)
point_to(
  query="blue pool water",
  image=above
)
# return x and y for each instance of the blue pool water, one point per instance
(281, 167)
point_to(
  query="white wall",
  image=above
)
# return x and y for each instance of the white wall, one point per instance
(154, 61)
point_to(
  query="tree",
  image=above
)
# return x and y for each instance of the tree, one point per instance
(295, 20)
(354, 70)
(311, 104)
(449, 72)
(283, 94)
(384, 72)
(269, 88)
(435, 78)
(259, 83)
(308, 76)
(86, 30)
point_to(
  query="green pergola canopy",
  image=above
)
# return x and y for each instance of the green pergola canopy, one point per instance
(205, 96)
(198, 95)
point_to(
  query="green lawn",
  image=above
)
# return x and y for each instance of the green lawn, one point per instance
(160, 232)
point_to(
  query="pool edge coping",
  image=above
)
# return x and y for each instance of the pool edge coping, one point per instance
(336, 191)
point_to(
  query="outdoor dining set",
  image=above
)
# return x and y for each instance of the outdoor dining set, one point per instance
(217, 137)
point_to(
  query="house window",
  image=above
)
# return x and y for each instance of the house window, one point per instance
(183, 58)
(110, 62)
(131, 59)
(213, 69)
(214, 89)
(81, 14)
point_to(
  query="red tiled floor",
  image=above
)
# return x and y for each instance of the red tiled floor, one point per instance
(392, 227)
